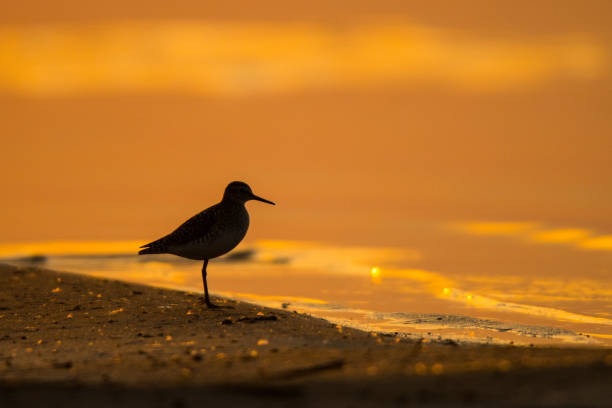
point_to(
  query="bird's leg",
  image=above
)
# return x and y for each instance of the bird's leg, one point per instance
(206, 298)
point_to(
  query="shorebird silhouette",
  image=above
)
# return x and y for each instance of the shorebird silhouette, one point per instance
(211, 233)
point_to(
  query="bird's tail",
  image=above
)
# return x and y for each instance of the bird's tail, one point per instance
(147, 251)
(155, 247)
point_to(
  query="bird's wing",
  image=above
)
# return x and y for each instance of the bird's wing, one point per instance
(191, 230)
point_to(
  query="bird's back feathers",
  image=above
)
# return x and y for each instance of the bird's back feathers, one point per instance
(196, 228)
(211, 233)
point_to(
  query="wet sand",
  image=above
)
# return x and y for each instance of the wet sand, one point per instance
(70, 340)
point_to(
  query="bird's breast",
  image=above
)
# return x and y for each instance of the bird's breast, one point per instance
(221, 239)
(227, 239)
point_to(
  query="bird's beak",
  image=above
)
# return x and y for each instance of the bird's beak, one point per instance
(254, 197)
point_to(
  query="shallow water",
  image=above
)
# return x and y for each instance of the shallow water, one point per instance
(524, 283)
(375, 128)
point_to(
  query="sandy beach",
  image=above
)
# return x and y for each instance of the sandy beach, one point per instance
(69, 340)
(442, 229)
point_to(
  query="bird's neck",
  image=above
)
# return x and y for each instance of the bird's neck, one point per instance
(230, 202)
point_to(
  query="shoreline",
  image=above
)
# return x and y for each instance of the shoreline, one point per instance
(69, 334)
(322, 280)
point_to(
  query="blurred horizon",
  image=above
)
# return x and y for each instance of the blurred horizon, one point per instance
(361, 121)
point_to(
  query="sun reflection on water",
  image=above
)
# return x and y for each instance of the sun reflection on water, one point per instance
(340, 282)
(567, 235)
(532, 232)
(376, 276)
(600, 243)
(68, 248)
(236, 58)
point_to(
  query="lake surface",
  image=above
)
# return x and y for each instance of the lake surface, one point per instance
(498, 282)
(439, 171)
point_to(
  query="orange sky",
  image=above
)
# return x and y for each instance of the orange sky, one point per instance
(492, 113)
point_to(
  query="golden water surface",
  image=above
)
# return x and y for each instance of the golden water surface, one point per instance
(415, 291)
(438, 168)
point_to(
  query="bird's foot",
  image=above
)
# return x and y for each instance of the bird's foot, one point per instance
(209, 304)
(213, 306)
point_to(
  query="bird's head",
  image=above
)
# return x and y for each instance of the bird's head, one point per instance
(240, 192)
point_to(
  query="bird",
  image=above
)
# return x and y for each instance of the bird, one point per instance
(210, 233)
